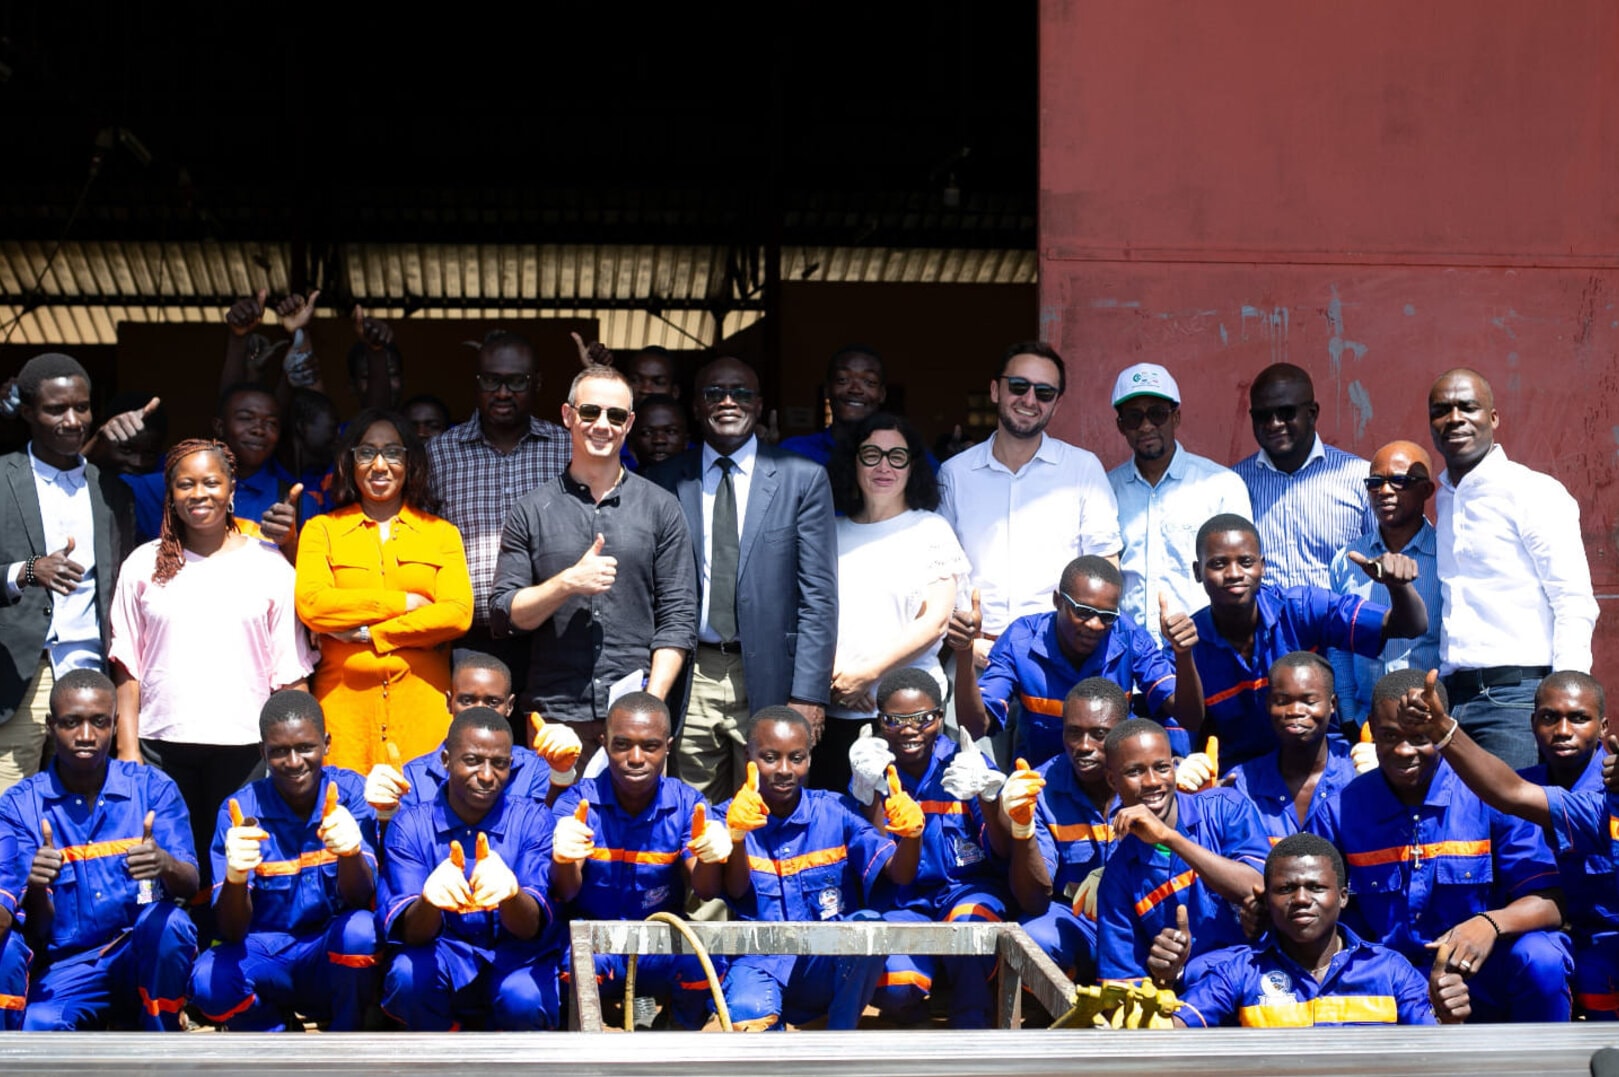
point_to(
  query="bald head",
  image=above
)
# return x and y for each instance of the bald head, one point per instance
(1399, 508)
(1401, 457)
(1462, 419)
(1282, 374)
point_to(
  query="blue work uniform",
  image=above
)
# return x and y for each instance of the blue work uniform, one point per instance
(634, 871)
(15, 957)
(530, 777)
(1143, 884)
(1584, 836)
(1259, 986)
(1416, 872)
(958, 880)
(1261, 781)
(305, 949)
(1027, 664)
(474, 966)
(819, 863)
(1236, 690)
(115, 950)
(1074, 838)
(254, 495)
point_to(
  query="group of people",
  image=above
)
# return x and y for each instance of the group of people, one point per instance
(362, 726)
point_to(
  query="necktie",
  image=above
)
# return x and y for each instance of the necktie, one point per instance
(723, 557)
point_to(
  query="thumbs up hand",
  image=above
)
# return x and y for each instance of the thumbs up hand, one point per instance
(246, 313)
(1421, 711)
(128, 425)
(385, 786)
(869, 757)
(710, 840)
(1170, 951)
(145, 861)
(1199, 770)
(748, 811)
(969, 773)
(1019, 797)
(48, 859)
(1391, 569)
(338, 827)
(1178, 629)
(492, 881)
(965, 625)
(559, 746)
(244, 845)
(1363, 754)
(593, 573)
(902, 814)
(573, 841)
(57, 572)
(1448, 990)
(279, 524)
(446, 888)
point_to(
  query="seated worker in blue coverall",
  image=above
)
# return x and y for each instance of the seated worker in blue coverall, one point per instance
(1071, 837)
(465, 895)
(295, 863)
(1246, 627)
(1041, 656)
(1173, 850)
(1308, 767)
(961, 877)
(1309, 971)
(1431, 863)
(804, 854)
(1565, 797)
(102, 855)
(629, 843)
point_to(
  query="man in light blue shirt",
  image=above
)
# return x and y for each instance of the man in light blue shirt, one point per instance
(1400, 483)
(1164, 493)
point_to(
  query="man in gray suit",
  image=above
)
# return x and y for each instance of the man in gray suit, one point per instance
(767, 562)
(66, 532)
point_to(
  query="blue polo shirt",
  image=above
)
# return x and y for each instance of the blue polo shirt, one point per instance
(1261, 781)
(635, 868)
(1027, 663)
(1071, 832)
(1143, 883)
(1583, 836)
(1261, 987)
(94, 897)
(954, 848)
(1236, 690)
(819, 863)
(255, 494)
(529, 778)
(295, 889)
(1416, 872)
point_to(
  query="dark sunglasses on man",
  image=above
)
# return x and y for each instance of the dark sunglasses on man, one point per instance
(1018, 386)
(591, 412)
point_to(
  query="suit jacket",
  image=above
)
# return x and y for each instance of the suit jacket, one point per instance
(787, 573)
(26, 622)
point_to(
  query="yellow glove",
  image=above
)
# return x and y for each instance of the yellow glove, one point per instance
(748, 811)
(902, 813)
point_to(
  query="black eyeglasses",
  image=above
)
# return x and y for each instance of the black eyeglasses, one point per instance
(1282, 413)
(1399, 482)
(898, 458)
(1018, 386)
(591, 412)
(1083, 612)
(1157, 415)
(918, 720)
(517, 383)
(716, 394)
(366, 455)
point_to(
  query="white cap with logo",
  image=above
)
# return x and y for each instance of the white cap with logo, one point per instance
(1145, 379)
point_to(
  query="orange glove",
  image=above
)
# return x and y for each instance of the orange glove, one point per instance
(446, 888)
(1019, 797)
(901, 812)
(573, 841)
(748, 810)
(492, 881)
(1363, 754)
(1200, 770)
(385, 786)
(339, 830)
(559, 746)
(244, 845)
(710, 840)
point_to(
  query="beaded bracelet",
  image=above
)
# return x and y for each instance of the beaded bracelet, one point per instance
(28, 577)
(1491, 921)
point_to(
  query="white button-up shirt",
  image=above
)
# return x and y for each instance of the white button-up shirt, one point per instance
(1020, 530)
(74, 641)
(1517, 587)
(741, 482)
(1159, 525)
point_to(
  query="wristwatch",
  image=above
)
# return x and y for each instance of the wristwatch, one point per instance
(365, 633)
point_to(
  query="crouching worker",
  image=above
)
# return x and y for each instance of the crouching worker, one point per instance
(804, 854)
(294, 856)
(465, 898)
(629, 843)
(103, 852)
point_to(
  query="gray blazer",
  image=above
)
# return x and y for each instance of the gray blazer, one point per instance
(26, 622)
(787, 574)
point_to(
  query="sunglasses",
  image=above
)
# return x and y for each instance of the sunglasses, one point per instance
(1018, 386)
(591, 412)
(1157, 415)
(366, 455)
(716, 394)
(1376, 482)
(1083, 612)
(1285, 413)
(517, 383)
(898, 458)
(919, 720)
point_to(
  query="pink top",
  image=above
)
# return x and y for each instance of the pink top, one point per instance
(209, 646)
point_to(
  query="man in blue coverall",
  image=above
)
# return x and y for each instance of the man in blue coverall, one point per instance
(295, 862)
(103, 853)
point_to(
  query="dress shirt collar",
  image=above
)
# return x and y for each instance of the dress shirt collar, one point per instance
(1046, 453)
(343, 522)
(72, 479)
(1317, 452)
(743, 457)
(606, 796)
(1176, 469)
(446, 821)
(1493, 460)
(575, 488)
(116, 784)
(274, 806)
(1387, 806)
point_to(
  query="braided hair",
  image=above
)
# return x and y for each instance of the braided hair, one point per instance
(171, 556)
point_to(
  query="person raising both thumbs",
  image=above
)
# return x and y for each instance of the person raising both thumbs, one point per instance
(596, 566)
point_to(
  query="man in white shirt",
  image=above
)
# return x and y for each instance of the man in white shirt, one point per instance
(1164, 494)
(1024, 504)
(1512, 566)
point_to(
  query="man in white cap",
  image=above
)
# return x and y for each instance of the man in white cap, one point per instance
(1164, 494)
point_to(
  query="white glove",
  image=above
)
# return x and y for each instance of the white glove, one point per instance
(714, 847)
(1194, 772)
(340, 832)
(1363, 756)
(447, 888)
(244, 852)
(1019, 797)
(970, 775)
(1085, 898)
(492, 881)
(384, 787)
(869, 758)
(572, 841)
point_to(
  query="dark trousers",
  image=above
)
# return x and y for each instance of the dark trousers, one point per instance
(207, 775)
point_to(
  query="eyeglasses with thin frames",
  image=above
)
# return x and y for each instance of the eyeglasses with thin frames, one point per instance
(366, 455)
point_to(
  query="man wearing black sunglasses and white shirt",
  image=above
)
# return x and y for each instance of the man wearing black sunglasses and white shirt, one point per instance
(597, 565)
(1400, 483)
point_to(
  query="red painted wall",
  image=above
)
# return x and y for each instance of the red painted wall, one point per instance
(1374, 191)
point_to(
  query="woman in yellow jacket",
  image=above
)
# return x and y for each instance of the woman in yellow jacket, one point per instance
(384, 585)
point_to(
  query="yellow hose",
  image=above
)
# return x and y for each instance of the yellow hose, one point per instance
(720, 1009)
